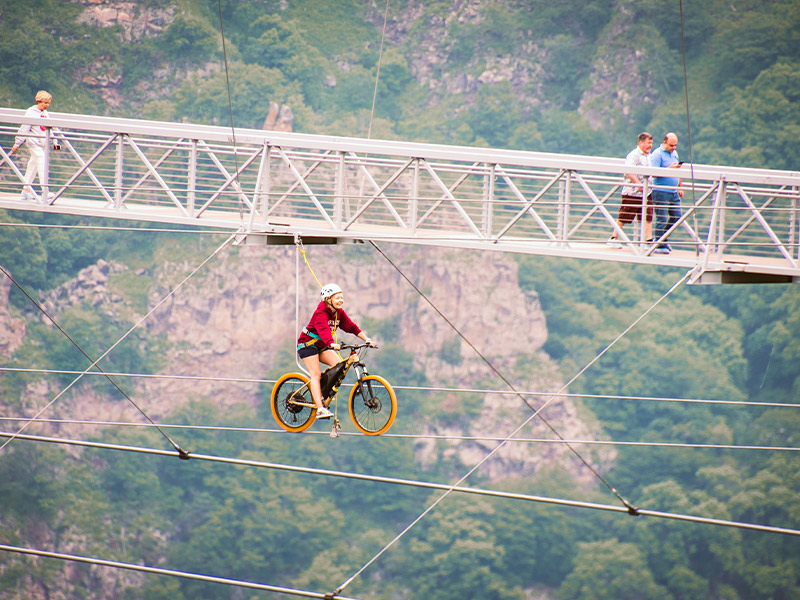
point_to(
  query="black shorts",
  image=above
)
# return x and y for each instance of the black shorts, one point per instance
(311, 350)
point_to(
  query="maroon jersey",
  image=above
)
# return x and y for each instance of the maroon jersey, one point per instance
(322, 324)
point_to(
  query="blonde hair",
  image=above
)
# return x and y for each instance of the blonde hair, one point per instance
(43, 95)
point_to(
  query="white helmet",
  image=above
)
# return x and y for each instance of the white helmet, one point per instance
(329, 290)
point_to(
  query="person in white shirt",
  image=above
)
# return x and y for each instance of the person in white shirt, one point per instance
(34, 137)
(631, 207)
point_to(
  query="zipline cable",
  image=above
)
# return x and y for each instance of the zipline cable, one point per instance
(411, 436)
(628, 507)
(159, 571)
(417, 388)
(181, 452)
(412, 483)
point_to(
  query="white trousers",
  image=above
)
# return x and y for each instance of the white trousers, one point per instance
(35, 164)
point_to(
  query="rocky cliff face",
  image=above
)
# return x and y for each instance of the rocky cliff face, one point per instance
(237, 319)
(12, 329)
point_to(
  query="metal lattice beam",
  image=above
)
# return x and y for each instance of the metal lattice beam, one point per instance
(738, 221)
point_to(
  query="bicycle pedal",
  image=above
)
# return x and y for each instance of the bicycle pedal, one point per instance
(335, 429)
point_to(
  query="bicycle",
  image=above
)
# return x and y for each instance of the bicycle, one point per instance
(372, 402)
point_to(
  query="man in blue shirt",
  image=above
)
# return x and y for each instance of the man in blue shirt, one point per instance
(666, 191)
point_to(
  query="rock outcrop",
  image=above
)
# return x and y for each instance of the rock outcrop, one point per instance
(12, 329)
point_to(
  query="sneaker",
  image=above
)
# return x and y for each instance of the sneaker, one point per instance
(324, 413)
(27, 196)
(614, 243)
(662, 249)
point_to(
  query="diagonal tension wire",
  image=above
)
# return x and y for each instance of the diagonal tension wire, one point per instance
(632, 510)
(564, 387)
(181, 452)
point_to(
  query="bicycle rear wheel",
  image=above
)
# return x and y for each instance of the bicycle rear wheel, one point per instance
(291, 402)
(373, 405)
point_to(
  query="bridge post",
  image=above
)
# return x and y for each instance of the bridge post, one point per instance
(564, 194)
(488, 200)
(794, 223)
(46, 175)
(263, 182)
(413, 201)
(338, 194)
(118, 171)
(191, 192)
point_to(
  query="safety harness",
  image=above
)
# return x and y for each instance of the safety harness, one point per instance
(315, 337)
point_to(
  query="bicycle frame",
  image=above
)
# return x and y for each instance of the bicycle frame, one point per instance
(330, 388)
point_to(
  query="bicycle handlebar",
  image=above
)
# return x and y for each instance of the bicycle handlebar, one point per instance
(358, 346)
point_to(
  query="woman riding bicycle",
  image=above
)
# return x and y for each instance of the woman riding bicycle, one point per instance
(316, 343)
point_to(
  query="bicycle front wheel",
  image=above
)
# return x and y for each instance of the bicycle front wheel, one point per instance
(292, 404)
(373, 405)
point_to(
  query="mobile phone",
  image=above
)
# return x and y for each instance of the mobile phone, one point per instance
(680, 163)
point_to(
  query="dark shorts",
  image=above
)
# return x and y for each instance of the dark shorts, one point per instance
(632, 208)
(311, 350)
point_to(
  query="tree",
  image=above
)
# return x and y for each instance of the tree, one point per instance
(610, 569)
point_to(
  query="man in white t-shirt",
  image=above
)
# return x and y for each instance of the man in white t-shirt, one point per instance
(631, 207)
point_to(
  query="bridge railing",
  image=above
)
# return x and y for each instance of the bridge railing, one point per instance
(349, 186)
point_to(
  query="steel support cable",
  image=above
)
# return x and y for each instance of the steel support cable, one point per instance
(412, 436)
(537, 412)
(230, 110)
(417, 388)
(688, 120)
(628, 507)
(378, 72)
(411, 483)
(159, 571)
(181, 452)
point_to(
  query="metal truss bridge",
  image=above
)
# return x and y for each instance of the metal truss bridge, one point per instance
(739, 225)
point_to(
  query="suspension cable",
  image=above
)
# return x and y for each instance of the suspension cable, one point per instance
(412, 436)
(688, 122)
(181, 452)
(410, 482)
(418, 388)
(230, 110)
(552, 398)
(628, 507)
(159, 571)
(378, 72)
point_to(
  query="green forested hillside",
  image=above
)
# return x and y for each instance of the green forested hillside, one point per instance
(579, 76)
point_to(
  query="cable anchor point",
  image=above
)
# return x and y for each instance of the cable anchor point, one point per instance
(182, 454)
(632, 510)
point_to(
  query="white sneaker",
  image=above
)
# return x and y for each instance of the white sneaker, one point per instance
(27, 196)
(324, 413)
(614, 243)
